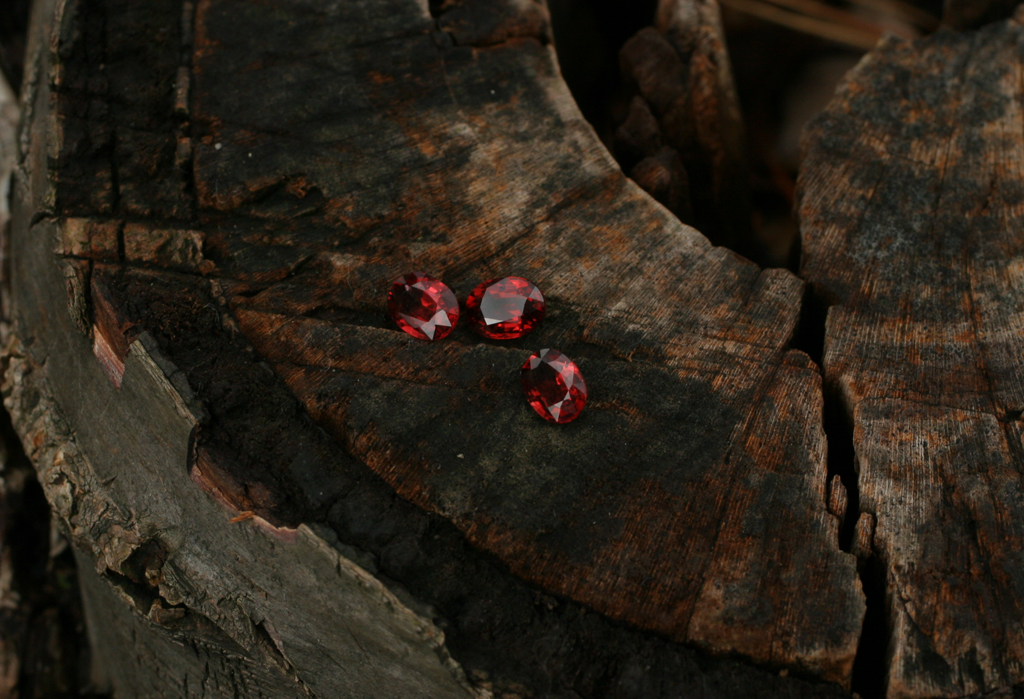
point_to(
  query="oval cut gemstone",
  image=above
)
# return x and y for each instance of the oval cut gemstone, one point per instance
(423, 306)
(504, 309)
(554, 386)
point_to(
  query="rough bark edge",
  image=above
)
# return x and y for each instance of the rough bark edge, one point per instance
(80, 499)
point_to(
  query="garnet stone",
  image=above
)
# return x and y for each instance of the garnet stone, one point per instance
(554, 386)
(504, 309)
(423, 306)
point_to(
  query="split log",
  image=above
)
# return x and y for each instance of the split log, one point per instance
(280, 492)
(912, 233)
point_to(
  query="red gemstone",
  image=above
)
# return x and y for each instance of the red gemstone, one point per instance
(423, 306)
(554, 386)
(504, 309)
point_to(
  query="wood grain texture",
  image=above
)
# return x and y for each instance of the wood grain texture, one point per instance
(206, 603)
(614, 510)
(911, 228)
(37, 637)
(241, 216)
(197, 593)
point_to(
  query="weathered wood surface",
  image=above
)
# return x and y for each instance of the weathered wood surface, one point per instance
(212, 202)
(702, 332)
(912, 232)
(190, 624)
(572, 510)
(207, 606)
(9, 118)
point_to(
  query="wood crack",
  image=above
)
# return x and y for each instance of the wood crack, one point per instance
(472, 504)
(920, 355)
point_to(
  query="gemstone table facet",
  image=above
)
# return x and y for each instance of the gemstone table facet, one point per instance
(504, 309)
(423, 306)
(554, 386)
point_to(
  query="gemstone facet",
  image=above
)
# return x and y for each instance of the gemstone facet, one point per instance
(504, 309)
(423, 306)
(554, 386)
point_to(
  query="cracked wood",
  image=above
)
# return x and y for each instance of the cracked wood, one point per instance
(250, 218)
(912, 232)
(691, 494)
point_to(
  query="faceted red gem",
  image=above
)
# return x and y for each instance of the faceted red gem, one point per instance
(504, 309)
(554, 386)
(423, 306)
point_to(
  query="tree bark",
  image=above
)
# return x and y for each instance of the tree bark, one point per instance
(42, 645)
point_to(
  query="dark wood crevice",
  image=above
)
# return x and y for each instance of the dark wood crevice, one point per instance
(43, 650)
(588, 37)
(870, 664)
(13, 29)
(837, 422)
